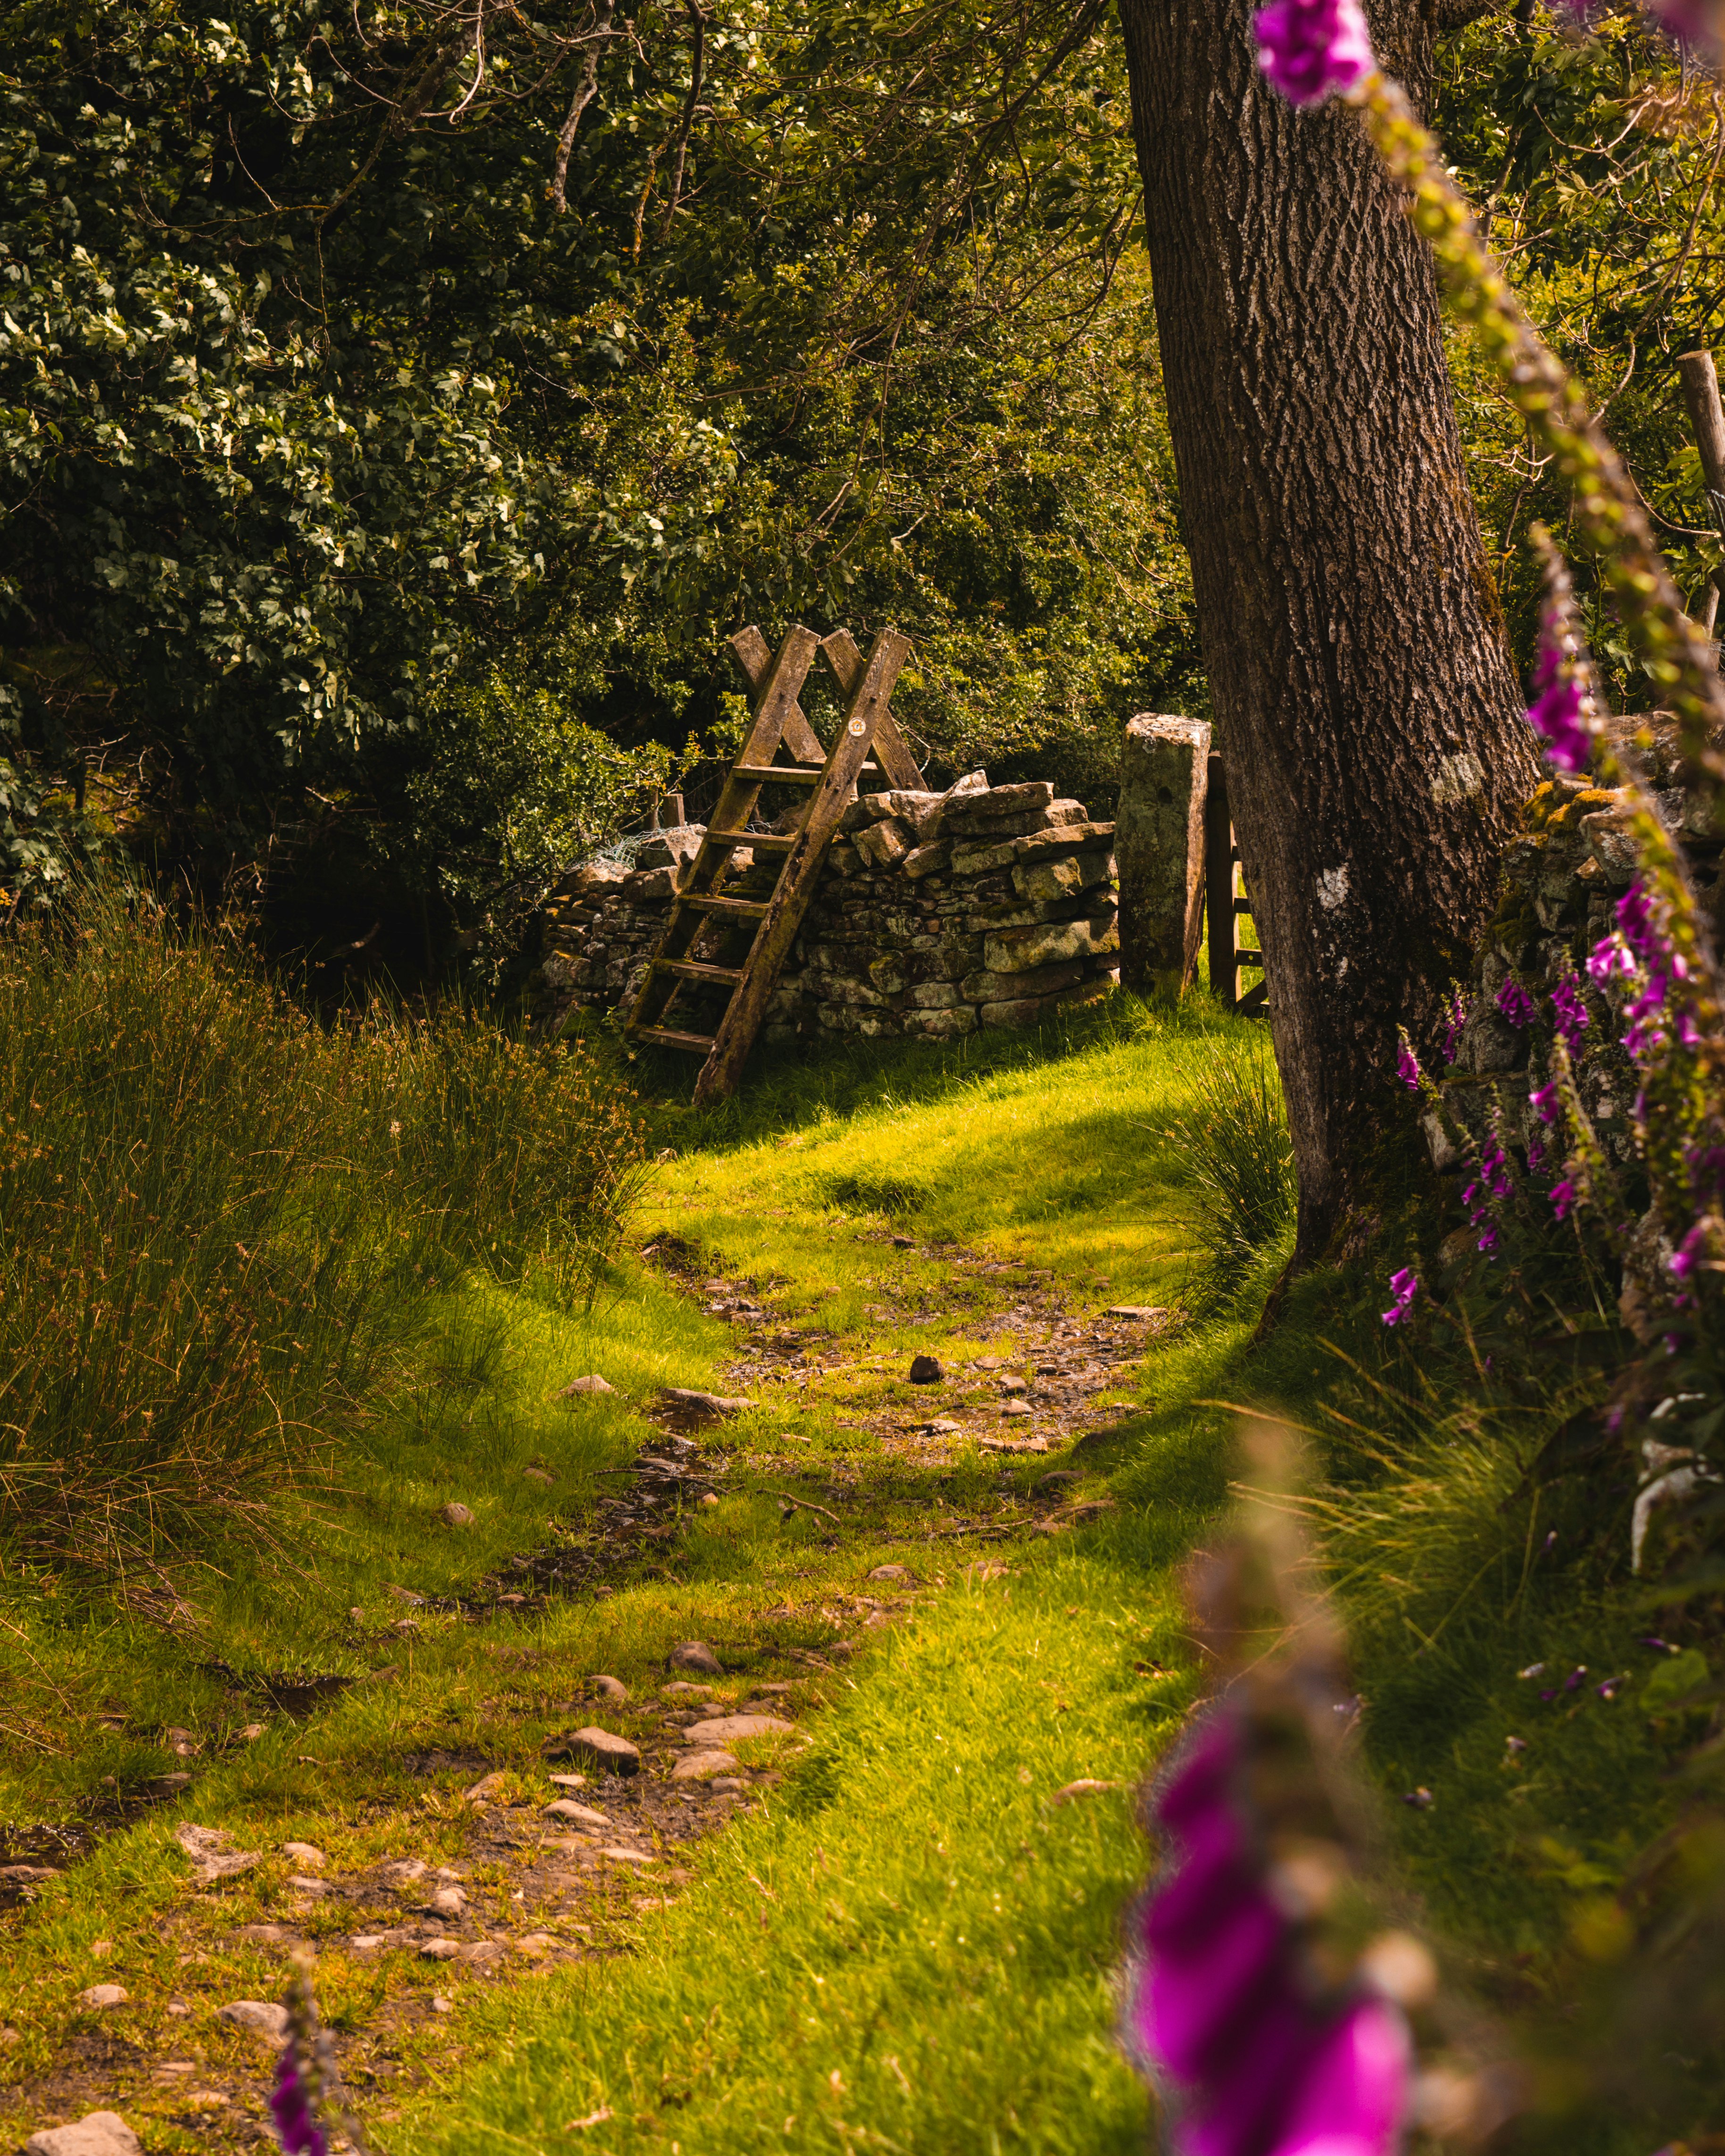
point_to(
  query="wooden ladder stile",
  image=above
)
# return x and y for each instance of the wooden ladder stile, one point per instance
(776, 680)
(1226, 902)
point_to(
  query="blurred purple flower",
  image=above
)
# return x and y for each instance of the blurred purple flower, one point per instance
(1514, 1003)
(1543, 1101)
(1252, 2060)
(1559, 718)
(1403, 1287)
(1309, 49)
(1407, 1063)
(1568, 1012)
(292, 2106)
(1562, 1198)
(1610, 956)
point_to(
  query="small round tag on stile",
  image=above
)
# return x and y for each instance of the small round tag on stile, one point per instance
(856, 726)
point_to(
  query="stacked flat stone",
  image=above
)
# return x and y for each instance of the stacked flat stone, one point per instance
(1573, 860)
(936, 915)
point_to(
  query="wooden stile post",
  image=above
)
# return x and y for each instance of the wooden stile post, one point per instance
(1700, 392)
(1218, 885)
(1159, 845)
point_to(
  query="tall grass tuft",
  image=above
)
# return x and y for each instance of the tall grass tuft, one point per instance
(1241, 1163)
(218, 1220)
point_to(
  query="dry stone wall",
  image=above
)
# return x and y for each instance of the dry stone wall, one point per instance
(936, 915)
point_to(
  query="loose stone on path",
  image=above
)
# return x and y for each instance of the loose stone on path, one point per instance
(258, 2017)
(696, 1655)
(97, 2134)
(611, 1753)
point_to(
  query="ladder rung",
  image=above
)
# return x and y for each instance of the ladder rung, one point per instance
(1249, 957)
(739, 909)
(699, 1042)
(691, 969)
(1241, 906)
(786, 774)
(763, 842)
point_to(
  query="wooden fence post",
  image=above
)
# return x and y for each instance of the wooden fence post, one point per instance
(1218, 885)
(1159, 846)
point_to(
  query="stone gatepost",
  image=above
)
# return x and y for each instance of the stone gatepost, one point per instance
(1164, 775)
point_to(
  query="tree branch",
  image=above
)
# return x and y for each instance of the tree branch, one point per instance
(1445, 16)
(585, 90)
(681, 149)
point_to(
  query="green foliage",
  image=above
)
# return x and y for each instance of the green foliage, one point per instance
(1241, 1162)
(327, 432)
(219, 1221)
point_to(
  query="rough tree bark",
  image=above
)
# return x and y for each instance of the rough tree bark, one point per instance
(1364, 694)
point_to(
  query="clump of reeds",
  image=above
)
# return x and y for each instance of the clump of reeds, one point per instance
(1240, 1159)
(218, 1218)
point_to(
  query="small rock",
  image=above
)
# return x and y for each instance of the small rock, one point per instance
(611, 1754)
(990, 1363)
(440, 1950)
(610, 1687)
(447, 1902)
(735, 1729)
(99, 1995)
(169, 1785)
(702, 1766)
(888, 1572)
(1011, 1384)
(566, 1781)
(696, 1655)
(578, 1386)
(405, 1594)
(455, 1515)
(482, 1951)
(484, 1788)
(213, 1854)
(26, 1875)
(251, 1732)
(619, 1855)
(1073, 1790)
(409, 1869)
(926, 1370)
(703, 1407)
(534, 1944)
(264, 1935)
(566, 1808)
(179, 2009)
(307, 1854)
(1139, 1313)
(97, 2134)
(708, 1497)
(369, 1941)
(682, 1690)
(302, 1882)
(1016, 1408)
(904, 1242)
(725, 1785)
(439, 2005)
(538, 1475)
(939, 1428)
(258, 2017)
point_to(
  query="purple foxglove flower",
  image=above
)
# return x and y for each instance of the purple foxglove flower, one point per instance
(1403, 1287)
(1568, 1012)
(1407, 1063)
(1536, 1153)
(1310, 49)
(1610, 959)
(1543, 1101)
(1250, 2060)
(1454, 1019)
(1514, 1003)
(291, 2103)
(1560, 717)
(1562, 1198)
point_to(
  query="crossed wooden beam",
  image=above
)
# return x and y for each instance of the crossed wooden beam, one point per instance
(777, 679)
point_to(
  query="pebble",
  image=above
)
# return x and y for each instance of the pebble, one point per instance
(1140, 1313)
(619, 1855)
(97, 2134)
(735, 1729)
(447, 1902)
(1082, 1789)
(264, 1935)
(536, 1475)
(455, 1515)
(904, 1242)
(990, 1363)
(213, 1854)
(610, 1754)
(258, 2017)
(702, 1766)
(610, 1687)
(708, 1497)
(405, 1594)
(488, 1785)
(302, 1882)
(533, 1944)
(1011, 1384)
(409, 1869)
(251, 1732)
(1015, 1407)
(680, 1690)
(307, 1854)
(696, 1655)
(439, 1950)
(926, 1370)
(98, 1995)
(939, 1428)
(566, 1808)
(888, 1572)
(439, 2005)
(591, 1383)
(725, 1785)
(567, 1781)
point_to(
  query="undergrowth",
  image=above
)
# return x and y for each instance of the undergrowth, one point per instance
(219, 1219)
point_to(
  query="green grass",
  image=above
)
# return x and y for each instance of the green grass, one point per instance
(907, 1944)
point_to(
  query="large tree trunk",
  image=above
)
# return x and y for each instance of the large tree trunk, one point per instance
(1364, 698)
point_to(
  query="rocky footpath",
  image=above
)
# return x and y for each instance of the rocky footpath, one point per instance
(938, 915)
